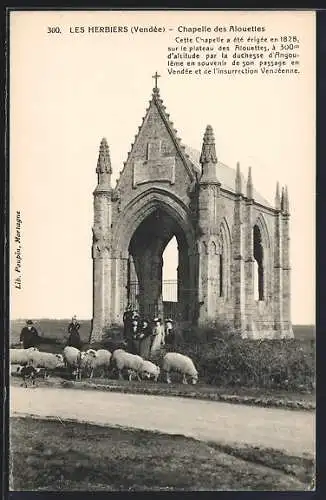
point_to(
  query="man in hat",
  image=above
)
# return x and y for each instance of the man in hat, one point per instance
(74, 337)
(29, 336)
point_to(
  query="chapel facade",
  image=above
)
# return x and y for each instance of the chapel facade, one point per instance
(233, 246)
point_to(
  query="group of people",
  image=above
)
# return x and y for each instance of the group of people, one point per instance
(143, 337)
(29, 336)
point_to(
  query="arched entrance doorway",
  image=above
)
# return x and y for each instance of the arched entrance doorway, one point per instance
(145, 267)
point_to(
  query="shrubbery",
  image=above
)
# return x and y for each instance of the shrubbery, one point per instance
(223, 358)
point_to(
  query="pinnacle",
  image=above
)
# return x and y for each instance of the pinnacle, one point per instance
(104, 161)
(209, 135)
(249, 185)
(208, 153)
(277, 197)
(286, 200)
(238, 180)
(104, 144)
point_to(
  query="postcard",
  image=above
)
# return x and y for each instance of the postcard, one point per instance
(162, 250)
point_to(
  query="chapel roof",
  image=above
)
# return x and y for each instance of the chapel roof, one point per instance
(226, 175)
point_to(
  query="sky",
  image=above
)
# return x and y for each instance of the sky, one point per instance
(69, 89)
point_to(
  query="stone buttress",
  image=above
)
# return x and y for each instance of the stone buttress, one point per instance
(101, 248)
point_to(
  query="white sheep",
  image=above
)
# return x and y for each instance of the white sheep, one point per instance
(176, 362)
(21, 356)
(149, 370)
(72, 360)
(87, 362)
(126, 361)
(92, 360)
(102, 361)
(46, 360)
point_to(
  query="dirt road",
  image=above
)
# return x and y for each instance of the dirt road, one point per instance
(290, 431)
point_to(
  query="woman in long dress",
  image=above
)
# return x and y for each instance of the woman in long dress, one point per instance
(169, 333)
(158, 336)
(74, 339)
(135, 336)
(145, 339)
(127, 321)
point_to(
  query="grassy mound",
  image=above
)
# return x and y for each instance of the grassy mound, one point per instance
(65, 455)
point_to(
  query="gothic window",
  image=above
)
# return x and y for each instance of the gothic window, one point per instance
(259, 264)
(256, 281)
(221, 275)
(224, 262)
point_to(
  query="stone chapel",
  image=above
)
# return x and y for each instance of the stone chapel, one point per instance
(233, 246)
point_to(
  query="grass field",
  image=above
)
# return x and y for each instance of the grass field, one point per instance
(55, 329)
(57, 455)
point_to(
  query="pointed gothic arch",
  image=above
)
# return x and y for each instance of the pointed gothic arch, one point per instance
(225, 260)
(262, 254)
(139, 236)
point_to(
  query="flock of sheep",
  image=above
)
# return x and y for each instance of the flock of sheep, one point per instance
(85, 363)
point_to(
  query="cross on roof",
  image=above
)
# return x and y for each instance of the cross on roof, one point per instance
(156, 76)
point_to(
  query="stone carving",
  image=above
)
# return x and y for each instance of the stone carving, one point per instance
(157, 171)
(116, 197)
(214, 248)
(208, 154)
(156, 167)
(104, 161)
(101, 240)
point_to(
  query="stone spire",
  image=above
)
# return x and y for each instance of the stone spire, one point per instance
(104, 169)
(282, 199)
(286, 201)
(208, 158)
(249, 185)
(277, 197)
(104, 162)
(208, 153)
(238, 180)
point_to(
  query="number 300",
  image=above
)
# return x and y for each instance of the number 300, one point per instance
(54, 29)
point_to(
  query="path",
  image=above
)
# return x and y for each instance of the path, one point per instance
(290, 431)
